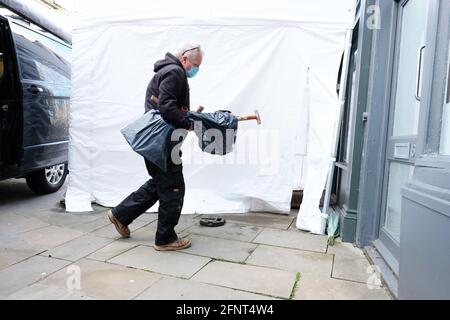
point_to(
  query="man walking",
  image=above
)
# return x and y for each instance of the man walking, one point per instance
(168, 91)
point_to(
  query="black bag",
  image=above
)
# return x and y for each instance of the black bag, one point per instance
(222, 137)
(150, 135)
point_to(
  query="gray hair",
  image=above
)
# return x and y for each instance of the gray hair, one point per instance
(189, 50)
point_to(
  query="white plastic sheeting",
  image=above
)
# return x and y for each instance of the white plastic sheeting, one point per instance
(280, 57)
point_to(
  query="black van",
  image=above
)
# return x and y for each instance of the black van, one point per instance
(34, 104)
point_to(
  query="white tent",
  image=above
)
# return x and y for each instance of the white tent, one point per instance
(280, 57)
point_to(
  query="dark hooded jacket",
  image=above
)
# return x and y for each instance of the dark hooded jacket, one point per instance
(170, 86)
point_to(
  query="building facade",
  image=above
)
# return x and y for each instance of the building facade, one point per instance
(393, 171)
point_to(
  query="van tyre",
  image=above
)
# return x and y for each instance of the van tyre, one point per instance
(47, 180)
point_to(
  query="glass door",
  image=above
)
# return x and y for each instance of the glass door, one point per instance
(403, 121)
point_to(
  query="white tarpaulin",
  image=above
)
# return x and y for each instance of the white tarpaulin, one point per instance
(280, 57)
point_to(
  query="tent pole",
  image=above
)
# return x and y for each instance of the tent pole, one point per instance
(338, 123)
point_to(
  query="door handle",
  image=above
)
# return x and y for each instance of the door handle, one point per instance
(419, 71)
(5, 107)
(35, 89)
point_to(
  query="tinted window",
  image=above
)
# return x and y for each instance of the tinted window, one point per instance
(41, 58)
(448, 84)
(445, 127)
(2, 52)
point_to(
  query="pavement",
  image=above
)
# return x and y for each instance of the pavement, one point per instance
(46, 253)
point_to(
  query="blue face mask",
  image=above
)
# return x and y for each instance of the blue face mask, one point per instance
(192, 72)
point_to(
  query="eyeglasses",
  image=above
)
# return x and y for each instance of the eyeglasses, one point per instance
(195, 48)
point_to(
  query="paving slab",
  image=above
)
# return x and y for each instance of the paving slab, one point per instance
(111, 250)
(109, 231)
(229, 230)
(272, 282)
(13, 223)
(25, 273)
(296, 240)
(50, 236)
(172, 263)
(325, 288)
(305, 262)
(16, 197)
(41, 292)
(149, 217)
(345, 249)
(186, 221)
(9, 257)
(90, 226)
(101, 280)
(13, 250)
(66, 219)
(78, 248)
(222, 249)
(144, 235)
(351, 268)
(261, 219)
(180, 289)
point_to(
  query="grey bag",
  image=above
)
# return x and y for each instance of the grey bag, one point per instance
(150, 137)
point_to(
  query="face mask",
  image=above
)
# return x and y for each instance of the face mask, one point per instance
(192, 72)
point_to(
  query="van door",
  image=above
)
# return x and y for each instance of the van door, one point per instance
(9, 97)
(44, 67)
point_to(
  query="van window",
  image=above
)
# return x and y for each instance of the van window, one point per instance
(5, 57)
(444, 147)
(2, 52)
(2, 67)
(41, 58)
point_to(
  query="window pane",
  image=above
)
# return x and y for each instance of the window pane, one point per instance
(445, 130)
(399, 174)
(413, 27)
(2, 66)
(39, 59)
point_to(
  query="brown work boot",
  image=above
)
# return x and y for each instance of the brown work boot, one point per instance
(124, 231)
(175, 245)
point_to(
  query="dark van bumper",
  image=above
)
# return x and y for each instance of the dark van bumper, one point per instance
(44, 155)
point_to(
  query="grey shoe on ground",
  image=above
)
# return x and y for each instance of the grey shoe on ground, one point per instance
(123, 230)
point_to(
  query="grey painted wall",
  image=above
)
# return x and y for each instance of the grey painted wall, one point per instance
(350, 174)
(424, 253)
(425, 223)
(375, 134)
(425, 246)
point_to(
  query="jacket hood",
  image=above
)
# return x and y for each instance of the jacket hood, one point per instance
(169, 59)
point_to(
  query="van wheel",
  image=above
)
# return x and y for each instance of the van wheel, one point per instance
(47, 180)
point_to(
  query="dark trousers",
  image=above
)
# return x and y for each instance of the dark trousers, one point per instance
(169, 189)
